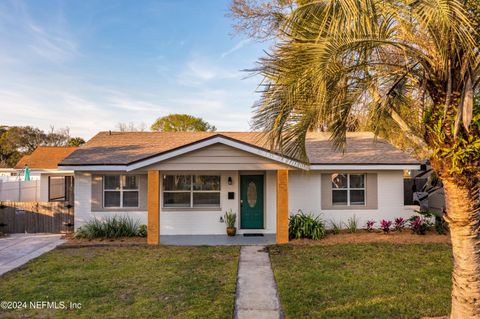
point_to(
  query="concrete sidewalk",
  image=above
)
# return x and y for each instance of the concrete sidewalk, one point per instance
(256, 295)
(18, 249)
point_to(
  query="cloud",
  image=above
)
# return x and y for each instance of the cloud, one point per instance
(54, 47)
(237, 47)
(197, 72)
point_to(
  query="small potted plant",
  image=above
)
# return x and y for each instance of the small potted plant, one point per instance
(230, 219)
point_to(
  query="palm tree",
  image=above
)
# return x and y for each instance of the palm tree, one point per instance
(411, 66)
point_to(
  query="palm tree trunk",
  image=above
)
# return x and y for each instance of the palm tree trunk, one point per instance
(464, 222)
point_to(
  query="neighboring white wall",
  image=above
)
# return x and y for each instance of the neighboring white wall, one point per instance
(44, 188)
(83, 206)
(20, 191)
(305, 194)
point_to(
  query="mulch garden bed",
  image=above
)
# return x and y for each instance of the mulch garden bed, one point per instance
(99, 242)
(362, 236)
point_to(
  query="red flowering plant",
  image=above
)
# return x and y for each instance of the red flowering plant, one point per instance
(419, 225)
(385, 225)
(399, 224)
(369, 225)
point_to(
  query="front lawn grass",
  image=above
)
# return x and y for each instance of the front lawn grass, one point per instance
(363, 280)
(127, 282)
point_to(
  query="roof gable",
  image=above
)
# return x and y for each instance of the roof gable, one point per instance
(123, 148)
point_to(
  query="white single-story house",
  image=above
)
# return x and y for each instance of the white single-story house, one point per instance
(181, 183)
(47, 182)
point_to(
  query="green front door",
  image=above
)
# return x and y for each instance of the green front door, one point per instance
(251, 201)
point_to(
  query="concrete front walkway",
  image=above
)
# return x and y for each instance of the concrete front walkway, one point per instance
(256, 295)
(17, 249)
(216, 240)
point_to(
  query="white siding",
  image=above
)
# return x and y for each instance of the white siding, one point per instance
(201, 222)
(184, 222)
(271, 202)
(83, 206)
(305, 194)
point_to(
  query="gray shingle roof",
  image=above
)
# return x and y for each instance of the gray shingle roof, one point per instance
(122, 148)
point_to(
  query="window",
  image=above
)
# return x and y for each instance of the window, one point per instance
(120, 191)
(191, 191)
(60, 188)
(348, 189)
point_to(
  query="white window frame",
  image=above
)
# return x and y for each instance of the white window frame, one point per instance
(191, 191)
(348, 189)
(121, 190)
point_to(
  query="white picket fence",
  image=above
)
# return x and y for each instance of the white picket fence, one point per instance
(20, 191)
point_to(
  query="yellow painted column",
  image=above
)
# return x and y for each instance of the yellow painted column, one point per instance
(282, 206)
(153, 198)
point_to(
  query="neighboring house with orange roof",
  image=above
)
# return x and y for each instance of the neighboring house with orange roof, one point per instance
(182, 183)
(55, 184)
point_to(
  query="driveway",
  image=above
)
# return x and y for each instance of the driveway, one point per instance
(18, 249)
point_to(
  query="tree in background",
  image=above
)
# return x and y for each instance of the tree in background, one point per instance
(410, 68)
(76, 141)
(16, 141)
(182, 123)
(260, 19)
(131, 127)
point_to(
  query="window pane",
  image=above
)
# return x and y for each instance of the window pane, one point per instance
(339, 197)
(176, 199)
(339, 180)
(112, 199)
(112, 181)
(130, 182)
(206, 183)
(176, 182)
(130, 199)
(357, 181)
(357, 197)
(206, 199)
(56, 188)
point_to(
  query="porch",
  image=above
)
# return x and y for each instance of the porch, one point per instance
(190, 226)
(214, 240)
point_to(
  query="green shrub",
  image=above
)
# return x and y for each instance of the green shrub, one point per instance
(142, 230)
(110, 227)
(352, 224)
(336, 227)
(301, 225)
(441, 226)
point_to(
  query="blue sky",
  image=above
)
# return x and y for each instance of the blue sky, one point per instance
(89, 64)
